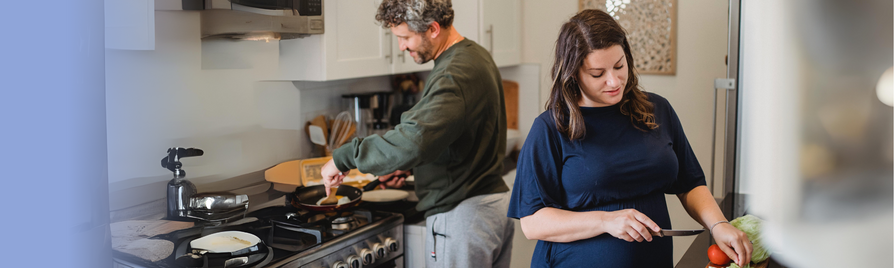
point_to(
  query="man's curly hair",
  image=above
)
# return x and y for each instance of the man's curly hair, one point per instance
(418, 14)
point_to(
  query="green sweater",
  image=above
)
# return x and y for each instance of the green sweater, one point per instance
(454, 139)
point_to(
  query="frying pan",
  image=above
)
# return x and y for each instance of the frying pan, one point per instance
(307, 197)
(383, 196)
(221, 249)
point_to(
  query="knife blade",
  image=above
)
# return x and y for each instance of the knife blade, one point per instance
(669, 232)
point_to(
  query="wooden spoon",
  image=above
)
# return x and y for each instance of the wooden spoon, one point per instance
(331, 198)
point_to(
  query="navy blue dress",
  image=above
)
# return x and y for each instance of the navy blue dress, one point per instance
(614, 167)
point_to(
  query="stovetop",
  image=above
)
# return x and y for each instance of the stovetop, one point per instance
(289, 230)
(291, 233)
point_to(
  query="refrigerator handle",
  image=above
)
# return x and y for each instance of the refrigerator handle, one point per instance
(726, 84)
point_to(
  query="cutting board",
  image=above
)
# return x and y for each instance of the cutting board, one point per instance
(762, 264)
(510, 96)
(288, 172)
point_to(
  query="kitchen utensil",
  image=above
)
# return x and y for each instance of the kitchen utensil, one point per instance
(669, 232)
(307, 197)
(347, 136)
(316, 135)
(385, 195)
(319, 121)
(288, 172)
(341, 126)
(330, 199)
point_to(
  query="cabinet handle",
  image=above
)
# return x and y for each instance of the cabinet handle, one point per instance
(490, 36)
(403, 58)
(388, 48)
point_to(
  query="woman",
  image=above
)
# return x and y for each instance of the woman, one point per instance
(594, 170)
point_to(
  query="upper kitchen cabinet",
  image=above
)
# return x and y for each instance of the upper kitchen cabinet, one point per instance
(501, 28)
(352, 45)
(493, 24)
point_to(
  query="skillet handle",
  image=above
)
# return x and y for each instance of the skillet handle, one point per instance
(372, 185)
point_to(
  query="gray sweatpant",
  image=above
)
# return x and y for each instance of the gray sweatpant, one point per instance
(476, 233)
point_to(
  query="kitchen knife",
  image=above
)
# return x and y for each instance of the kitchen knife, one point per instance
(669, 232)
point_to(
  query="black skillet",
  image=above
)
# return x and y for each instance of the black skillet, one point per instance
(307, 197)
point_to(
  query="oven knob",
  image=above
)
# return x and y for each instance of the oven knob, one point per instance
(354, 261)
(391, 244)
(367, 256)
(340, 264)
(379, 249)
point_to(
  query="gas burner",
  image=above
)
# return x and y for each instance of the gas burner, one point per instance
(345, 223)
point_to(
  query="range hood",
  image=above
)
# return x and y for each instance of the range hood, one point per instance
(258, 19)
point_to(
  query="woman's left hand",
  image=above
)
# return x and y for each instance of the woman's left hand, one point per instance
(733, 242)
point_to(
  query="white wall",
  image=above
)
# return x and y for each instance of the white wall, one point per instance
(701, 47)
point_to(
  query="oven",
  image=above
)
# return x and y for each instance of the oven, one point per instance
(295, 238)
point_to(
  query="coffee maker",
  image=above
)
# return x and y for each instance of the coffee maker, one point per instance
(371, 111)
(380, 104)
(358, 106)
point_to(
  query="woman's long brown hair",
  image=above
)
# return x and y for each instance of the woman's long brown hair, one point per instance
(587, 31)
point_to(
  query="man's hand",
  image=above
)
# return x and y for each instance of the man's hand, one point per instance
(332, 177)
(396, 179)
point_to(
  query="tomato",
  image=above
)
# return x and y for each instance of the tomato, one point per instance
(717, 256)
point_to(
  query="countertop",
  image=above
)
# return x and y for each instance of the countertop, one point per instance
(697, 254)
(135, 201)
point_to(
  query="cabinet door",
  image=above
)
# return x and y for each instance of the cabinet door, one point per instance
(404, 63)
(465, 19)
(356, 46)
(500, 30)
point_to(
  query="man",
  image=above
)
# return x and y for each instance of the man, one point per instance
(453, 139)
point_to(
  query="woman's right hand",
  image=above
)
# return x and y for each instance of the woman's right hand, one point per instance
(629, 225)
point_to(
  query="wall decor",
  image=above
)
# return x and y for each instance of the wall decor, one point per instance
(651, 27)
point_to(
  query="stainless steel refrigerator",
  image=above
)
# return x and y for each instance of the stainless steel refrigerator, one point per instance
(804, 129)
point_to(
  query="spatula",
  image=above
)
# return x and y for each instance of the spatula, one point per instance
(331, 198)
(317, 135)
